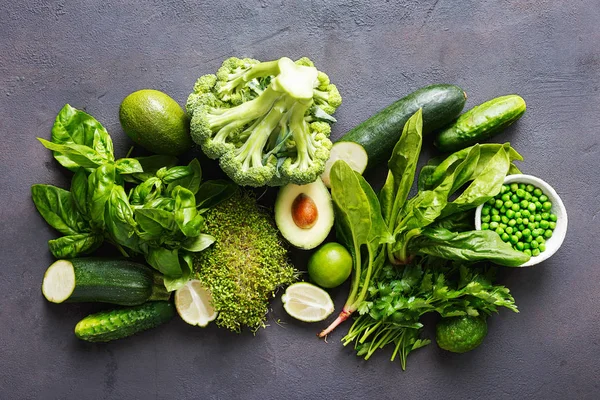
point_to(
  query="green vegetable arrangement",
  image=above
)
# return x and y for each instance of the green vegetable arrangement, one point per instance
(391, 229)
(266, 122)
(161, 217)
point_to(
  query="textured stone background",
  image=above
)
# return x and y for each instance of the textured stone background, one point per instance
(93, 53)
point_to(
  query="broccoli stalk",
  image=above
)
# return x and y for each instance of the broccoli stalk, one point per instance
(268, 123)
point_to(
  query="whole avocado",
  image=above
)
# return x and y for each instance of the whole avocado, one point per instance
(156, 122)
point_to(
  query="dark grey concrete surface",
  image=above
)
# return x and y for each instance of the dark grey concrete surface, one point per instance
(91, 54)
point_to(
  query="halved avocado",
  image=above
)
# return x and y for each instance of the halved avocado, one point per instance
(304, 214)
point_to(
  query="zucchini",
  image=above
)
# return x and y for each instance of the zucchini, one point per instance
(353, 153)
(441, 105)
(117, 324)
(102, 280)
(481, 122)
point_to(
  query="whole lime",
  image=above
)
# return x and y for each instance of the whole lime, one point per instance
(330, 265)
(156, 122)
(460, 334)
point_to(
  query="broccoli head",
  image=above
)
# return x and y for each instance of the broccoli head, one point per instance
(268, 123)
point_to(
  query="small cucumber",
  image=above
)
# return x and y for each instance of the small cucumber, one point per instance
(102, 280)
(481, 122)
(117, 324)
(441, 105)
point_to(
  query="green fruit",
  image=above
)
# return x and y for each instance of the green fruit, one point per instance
(460, 334)
(156, 122)
(330, 266)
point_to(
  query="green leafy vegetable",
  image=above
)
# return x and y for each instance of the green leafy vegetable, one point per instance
(72, 246)
(57, 207)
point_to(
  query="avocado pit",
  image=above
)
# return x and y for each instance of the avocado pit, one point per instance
(304, 211)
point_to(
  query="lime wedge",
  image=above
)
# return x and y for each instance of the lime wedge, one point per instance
(307, 302)
(194, 304)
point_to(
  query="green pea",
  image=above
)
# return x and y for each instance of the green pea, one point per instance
(537, 192)
(521, 227)
(519, 221)
(514, 198)
(520, 193)
(502, 210)
(526, 232)
(525, 221)
(515, 207)
(553, 217)
(528, 196)
(491, 202)
(535, 233)
(527, 251)
(538, 205)
(531, 226)
(535, 252)
(520, 246)
(496, 218)
(485, 218)
(542, 247)
(538, 217)
(526, 246)
(510, 213)
(493, 225)
(509, 230)
(524, 204)
(519, 234)
(544, 224)
(505, 197)
(543, 198)
(514, 239)
(540, 239)
(498, 204)
(529, 239)
(552, 225)
(534, 199)
(504, 189)
(495, 211)
(485, 210)
(505, 237)
(522, 186)
(548, 234)
(499, 231)
(532, 207)
(529, 188)
(525, 213)
(504, 219)
(534, 244)
(547, 206)
(514, 187)
(508, 204)
(485, 226)
(518, 214)
(502, 225)
(545, 215)
(512, 222)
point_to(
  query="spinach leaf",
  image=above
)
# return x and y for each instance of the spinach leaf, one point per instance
(214, 192)
(79, 188)
(57, 207)
(72, 246)
(73, 126)
(119, 220)
(191, 181)
(100, 185)
(165, 261)
(198, 243)
(128, 166)
(187, 269)
(467, 246)
(76, 155)
(402, 166)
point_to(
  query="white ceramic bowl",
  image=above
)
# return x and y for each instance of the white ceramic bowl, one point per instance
(558, 208)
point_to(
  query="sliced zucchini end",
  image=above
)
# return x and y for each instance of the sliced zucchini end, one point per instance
(59, 281)
(353, 153)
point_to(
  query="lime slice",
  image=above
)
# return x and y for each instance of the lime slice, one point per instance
(307, 302)
(194, 304)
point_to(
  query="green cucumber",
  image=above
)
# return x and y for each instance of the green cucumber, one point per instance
(117, 324)
(441, 105)
(481, 122)
(102, 280)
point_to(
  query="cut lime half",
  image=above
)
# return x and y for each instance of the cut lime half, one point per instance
(194, 304)
(307, 302)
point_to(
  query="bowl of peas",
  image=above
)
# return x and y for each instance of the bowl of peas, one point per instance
(528, 214)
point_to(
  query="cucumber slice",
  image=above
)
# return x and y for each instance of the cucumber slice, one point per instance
(353, 153)
(59, 281)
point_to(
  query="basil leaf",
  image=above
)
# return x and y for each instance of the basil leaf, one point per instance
(214, 192)
(73, 126)
(155, 221)
(150, 165)
(100, 186)
(128, 166)
(162, 203)
(198, 243)
(174, 173)
(187, 267)
(75, 245)
(469, 246)
(146, 191)
(165, 261)
(77, 155)
(79, 188)
(186, 214)
(190, 181)
(118, 218)
(56, 206)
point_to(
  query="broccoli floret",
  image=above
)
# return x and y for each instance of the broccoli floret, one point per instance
(267, 122)
(246, 265)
